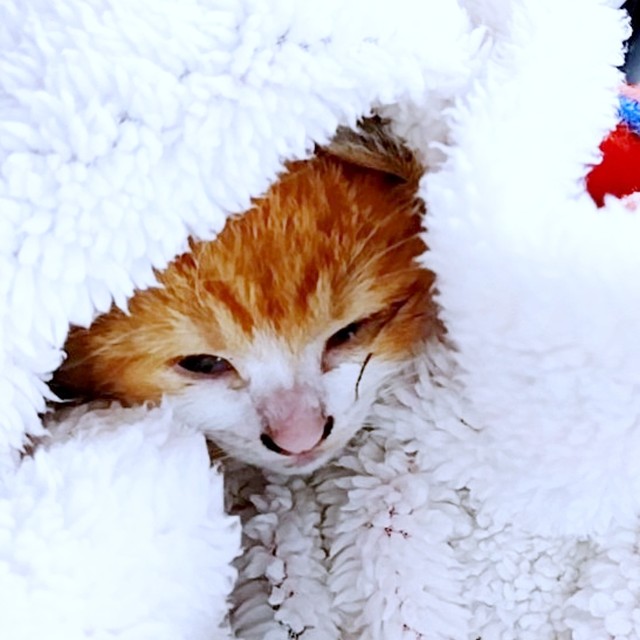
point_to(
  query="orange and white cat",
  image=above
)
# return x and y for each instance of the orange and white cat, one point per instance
(276, 338)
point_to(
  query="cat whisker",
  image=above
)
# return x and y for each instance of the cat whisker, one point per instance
(362, 368)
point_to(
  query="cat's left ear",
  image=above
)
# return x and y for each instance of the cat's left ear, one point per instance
(372, 145)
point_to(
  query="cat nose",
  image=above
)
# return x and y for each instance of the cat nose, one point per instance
(294, 420)
(270, 443)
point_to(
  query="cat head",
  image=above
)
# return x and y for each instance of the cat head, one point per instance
(276, 338)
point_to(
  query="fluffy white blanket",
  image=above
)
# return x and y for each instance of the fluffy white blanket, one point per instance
(498, 495)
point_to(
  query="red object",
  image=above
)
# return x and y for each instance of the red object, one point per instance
(619, 171)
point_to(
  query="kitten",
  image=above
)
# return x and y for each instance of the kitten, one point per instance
(276, 338)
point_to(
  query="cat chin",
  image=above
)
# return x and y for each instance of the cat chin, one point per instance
(302, 464)
(289, 465)
(288, 468)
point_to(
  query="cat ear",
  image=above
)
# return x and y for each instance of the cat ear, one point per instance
(372, 145)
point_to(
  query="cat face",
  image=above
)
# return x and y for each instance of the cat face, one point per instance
(276, 338)
(281, 410)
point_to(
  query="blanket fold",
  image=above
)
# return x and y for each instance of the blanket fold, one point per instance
(494, 494)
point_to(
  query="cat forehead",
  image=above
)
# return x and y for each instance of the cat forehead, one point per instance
(324, 243)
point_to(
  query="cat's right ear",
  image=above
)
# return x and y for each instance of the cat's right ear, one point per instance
(372, 145)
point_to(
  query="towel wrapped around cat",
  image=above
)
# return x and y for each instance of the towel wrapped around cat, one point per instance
(493, 490)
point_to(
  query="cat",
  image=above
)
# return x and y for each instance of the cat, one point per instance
(276, 338)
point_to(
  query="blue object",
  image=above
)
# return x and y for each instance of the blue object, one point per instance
(629, 111)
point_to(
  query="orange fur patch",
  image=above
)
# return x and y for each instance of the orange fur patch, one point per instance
(330, 243)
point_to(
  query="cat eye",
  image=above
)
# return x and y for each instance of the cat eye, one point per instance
(344, 335)
(205, 364)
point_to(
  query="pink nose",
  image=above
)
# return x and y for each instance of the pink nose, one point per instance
(295, 421)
